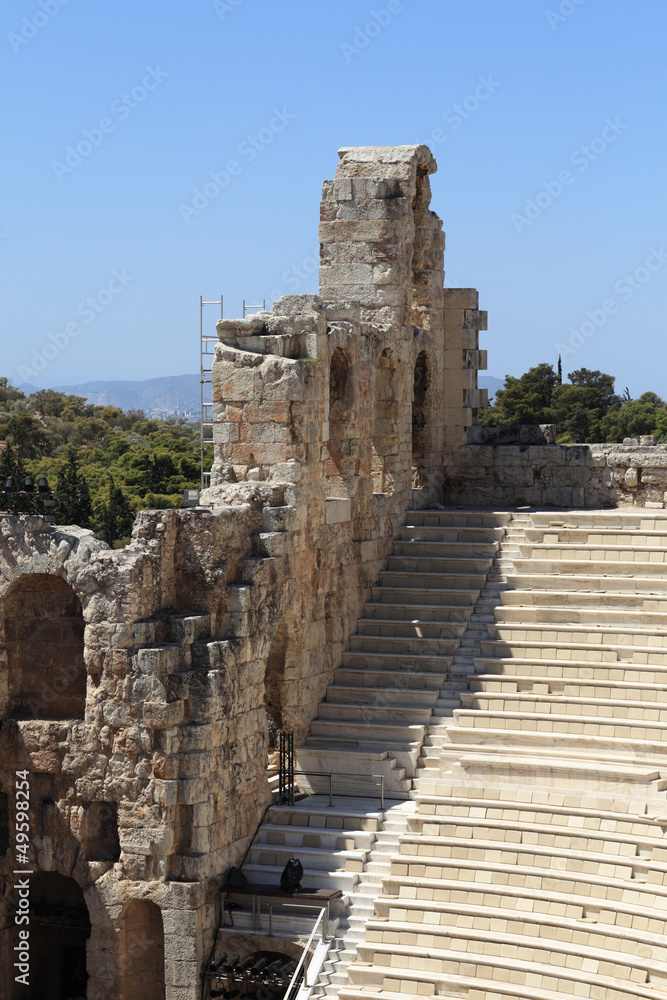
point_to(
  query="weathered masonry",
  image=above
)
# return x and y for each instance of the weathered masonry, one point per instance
(141, 688)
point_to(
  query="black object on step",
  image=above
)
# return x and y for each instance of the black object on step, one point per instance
(235, 879)
(290, 880)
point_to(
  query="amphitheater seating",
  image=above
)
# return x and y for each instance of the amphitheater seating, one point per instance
(535, 865)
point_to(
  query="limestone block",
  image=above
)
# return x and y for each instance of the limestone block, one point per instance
(549, 455)
(474, 455)
(513, 475)
(338, 510)
(461, 298)
(654, 477)
(505, 455)
(342, 189)
(631, 478)
(287, 472)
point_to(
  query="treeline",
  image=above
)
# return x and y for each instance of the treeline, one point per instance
(586, 410)
(102, 464)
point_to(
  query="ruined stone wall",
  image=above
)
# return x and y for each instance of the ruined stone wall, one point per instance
(163, 670)
(155, 789)
(351, 397)
(576, 476)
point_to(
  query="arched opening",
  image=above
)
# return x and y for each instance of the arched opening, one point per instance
(44, 635)
(274, 683)
(422, 252)
(340, 463)
(59, 929)
(142, 951)
(99, 832)
(385, 429)
(421, 383)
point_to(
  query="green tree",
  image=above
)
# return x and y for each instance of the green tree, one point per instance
(26, 433)
(116, 516)
(646, 415)
(9, 394)
(49, 403)
(601, 387)
(11, 464)
(72, 493)
(524, 400)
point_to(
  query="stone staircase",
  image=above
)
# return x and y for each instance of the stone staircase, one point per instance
(399, 674)
(535, 864)
(352, 927)
(395, 682)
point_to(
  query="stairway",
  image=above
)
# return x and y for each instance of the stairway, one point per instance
(535, 864)
(397, 674)
(351, 929)
(394, 682)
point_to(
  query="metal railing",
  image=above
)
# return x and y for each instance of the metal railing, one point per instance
(294, 982)
(330, 775)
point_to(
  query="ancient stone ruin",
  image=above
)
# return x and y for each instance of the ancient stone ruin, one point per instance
(140, 687)
(487, 685)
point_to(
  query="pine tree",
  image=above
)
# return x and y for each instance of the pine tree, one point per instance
(72, 493)
(6, 464)
(116, 516)
(11, 464)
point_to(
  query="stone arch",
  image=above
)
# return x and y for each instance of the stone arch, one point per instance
(142, 951)
(43, 627)
(339, 461)
(385, 425)
(59, 933)
(421, 385)
(275, 679)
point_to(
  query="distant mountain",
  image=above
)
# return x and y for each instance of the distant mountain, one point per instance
(490, 383)
(172, 395)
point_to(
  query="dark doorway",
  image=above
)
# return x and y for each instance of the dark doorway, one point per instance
(422, 381)
(44, 634)
(274, 681)
(142, 951)
(341, 463)
(59, 930)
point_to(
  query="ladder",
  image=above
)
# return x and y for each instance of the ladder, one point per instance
(207, 342)
(247, 308)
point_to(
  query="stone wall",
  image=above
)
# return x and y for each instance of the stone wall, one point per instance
(147, 746)
(169, 754)
(576, 476)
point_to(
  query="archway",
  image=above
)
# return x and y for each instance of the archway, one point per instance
(142, 951)
(339, 463)
(385, 432)
(44, 626)
(59, 929)
(274, 682)
(421, 383)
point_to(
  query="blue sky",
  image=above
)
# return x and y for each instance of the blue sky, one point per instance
(550, 182)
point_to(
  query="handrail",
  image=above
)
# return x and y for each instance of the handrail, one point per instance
(331, 774)
(293, 980)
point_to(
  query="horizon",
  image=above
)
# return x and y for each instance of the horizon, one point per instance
(148, 176)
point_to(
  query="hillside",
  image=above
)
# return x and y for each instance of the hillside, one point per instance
(171, 395)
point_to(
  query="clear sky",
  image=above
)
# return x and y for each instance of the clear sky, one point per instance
(547, 118)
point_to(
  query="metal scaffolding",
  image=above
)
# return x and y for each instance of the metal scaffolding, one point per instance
(207, 342)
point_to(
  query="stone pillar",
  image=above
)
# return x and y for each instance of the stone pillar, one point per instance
(380, 244)
(463, 359)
